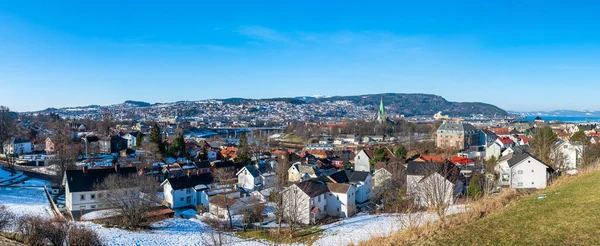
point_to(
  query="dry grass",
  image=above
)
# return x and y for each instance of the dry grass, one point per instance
(568, 215)
(305, 236)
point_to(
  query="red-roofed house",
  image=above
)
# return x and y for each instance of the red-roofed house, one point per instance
(430, 158)
(457, 160)
(505, 142)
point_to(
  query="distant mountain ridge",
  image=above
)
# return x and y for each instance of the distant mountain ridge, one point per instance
(395, 103)
(559, 113)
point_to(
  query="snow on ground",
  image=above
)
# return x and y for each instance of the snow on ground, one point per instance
(5, 176)
(363, 226)
(22, 201)
(100, 214)
(175, 231)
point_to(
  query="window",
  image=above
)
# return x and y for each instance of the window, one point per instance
(520, 184)
(319, 198)
(181, 199)
(188, 200)
(532, 170)
(82, 197)
(93, 206)
(188, 190)
(520, 172)
(532, 183)
(329, 194)
(338, 209)
(93, 196)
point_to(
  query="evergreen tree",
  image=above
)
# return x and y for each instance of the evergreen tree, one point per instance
(543, 142)
(401, 152)
(243, 152)
(475, 190)
(156, 138)
(139, 139)
(379, 155)
(178, 146)
(580, 137)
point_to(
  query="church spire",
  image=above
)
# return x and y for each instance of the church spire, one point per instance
(381, 107)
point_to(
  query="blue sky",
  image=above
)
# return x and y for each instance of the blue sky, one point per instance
(518, 55)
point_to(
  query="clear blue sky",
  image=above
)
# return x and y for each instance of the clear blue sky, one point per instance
(518, 55)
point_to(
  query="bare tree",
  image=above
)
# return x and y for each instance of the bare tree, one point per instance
(437, 188)
(391, 187)
(130, 195)
(66, 154)
(222, 177)
(295, 206)
(6, 217)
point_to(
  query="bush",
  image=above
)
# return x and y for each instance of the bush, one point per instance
(83, 236)
(55, 231)
(36, 230)
(6, 217)
(32, 229)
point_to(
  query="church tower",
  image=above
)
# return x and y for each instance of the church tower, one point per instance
(381, 115)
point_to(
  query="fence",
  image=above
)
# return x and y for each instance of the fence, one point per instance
(53, 207)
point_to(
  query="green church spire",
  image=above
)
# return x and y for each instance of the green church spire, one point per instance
(381, 107)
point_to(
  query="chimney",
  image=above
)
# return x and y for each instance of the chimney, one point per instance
(85, 169)
(117, 167)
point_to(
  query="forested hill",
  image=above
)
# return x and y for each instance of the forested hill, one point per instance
(421, 104)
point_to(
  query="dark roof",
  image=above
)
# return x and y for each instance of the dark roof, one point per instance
(253, 171)
(203, 164)
(79, 181)
(313, 187)
(184, 182)
(422, 168)
(348, 175)
(518, 158)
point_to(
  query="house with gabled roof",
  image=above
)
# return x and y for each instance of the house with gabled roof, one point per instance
(524, 171)
(253, 177)
(423, 179)
(311, 200)
(80, 195)
(187, 191)
(298, 172)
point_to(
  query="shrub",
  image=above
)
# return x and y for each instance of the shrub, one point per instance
(6, 217)
(31, 229)
(83, 236)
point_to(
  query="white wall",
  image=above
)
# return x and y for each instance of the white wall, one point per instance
(246, 180)
(363, 192)
(529, 173)
(361, 162)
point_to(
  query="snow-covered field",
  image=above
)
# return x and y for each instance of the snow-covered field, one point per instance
(22, 201)
(192, 231)
(177, 232)
(362, 227)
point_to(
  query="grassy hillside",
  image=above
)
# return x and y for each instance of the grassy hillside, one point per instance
(569, 215)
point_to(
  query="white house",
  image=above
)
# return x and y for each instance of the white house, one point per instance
(17, 146)
(219, 205)
(80, 196)
(494, 150)
(429, 183)
(298, 172)
(131, 138)
(381, 178)
(524, 171)
(362, 180)
(186, 191)
(570, 153)
(252, 178)
(341, 200)
(309, 201)
(361, 161)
